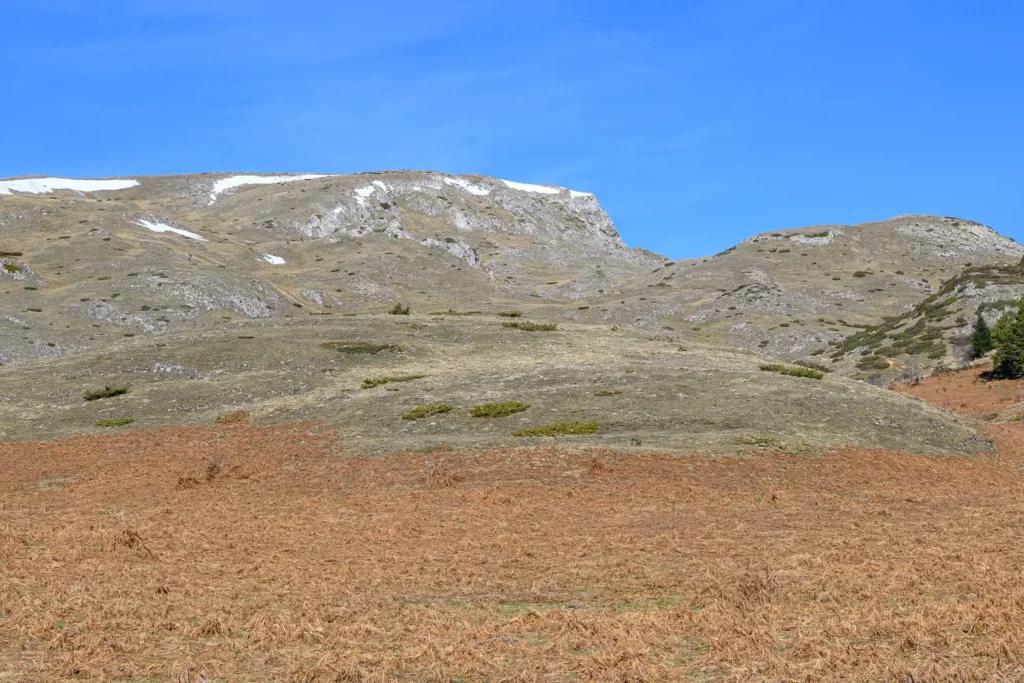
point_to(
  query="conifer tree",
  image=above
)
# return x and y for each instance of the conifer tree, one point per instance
(1009, 358)
(981, 337)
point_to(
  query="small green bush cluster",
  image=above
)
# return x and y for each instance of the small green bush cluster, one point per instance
(11, 268)
(607, 392)
(510, 314)
(105, 392)
(560, 429)
(451, 312)
(378, 381)
(809, 373)
(502, 409)
(532, 327)
(420, 412)
(117, 422)
(354, 347)
(399, 309)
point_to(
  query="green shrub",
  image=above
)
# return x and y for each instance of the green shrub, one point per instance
(862, 273)
(353, 347)
(9, 253)
(819, 234)
(451, 312)
(502, 409)
(559, 429)
(117, 422)
(378, 381)
(607, 392)
(105, 392)
(809, 373)
(532, 327)
(420, 412)
(11, 268)
(510, 314)
(814, 365)
(399, 309)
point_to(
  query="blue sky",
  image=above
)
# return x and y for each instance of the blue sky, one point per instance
(695, 123)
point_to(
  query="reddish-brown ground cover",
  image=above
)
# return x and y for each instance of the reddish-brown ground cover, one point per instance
(246, 553)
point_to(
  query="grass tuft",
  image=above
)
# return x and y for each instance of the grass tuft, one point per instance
(607, 392)
(399, 309)
(420, 412)
(378, 381)
(498, 409)
(354, 347)
(117, 422)
(809, 373)
(560, 429)
(510, 314)
(532, 327)
(233, 417)
(105, 392)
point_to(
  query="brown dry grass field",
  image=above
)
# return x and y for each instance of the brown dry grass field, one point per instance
(243, 553)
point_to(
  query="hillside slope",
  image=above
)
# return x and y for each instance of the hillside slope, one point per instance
(214, 293)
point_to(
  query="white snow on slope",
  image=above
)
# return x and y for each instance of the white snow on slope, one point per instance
(225, 184)
(162, 227)
(44, 185)
(467, 186)
(576, 195)
(362, 193)
(526, 187)
(273, 260)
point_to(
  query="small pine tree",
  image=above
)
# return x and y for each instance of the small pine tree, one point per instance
(1009, 358)
(981, 337)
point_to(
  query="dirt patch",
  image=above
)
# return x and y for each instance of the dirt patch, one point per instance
(240, 552)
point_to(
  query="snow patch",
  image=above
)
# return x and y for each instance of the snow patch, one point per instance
(380, 185)
(526, 187)
(467, 186)
(45, 185)
(577, 195)
(225, 184)
(163, 227)
(362, 193)
(273, 260)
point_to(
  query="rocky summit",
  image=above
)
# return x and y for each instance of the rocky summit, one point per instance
(360, 300)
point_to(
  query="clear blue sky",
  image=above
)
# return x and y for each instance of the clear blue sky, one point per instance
(695, 123)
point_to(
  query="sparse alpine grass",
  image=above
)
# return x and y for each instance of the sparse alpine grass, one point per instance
(354, 347)
(532, 327)
(420, 412)
(560, 429)
(378, 381)
(116, 422)
(809, 373)
(502, 409)
(105, 392)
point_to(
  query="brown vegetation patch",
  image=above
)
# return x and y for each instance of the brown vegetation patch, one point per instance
(242, 553)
